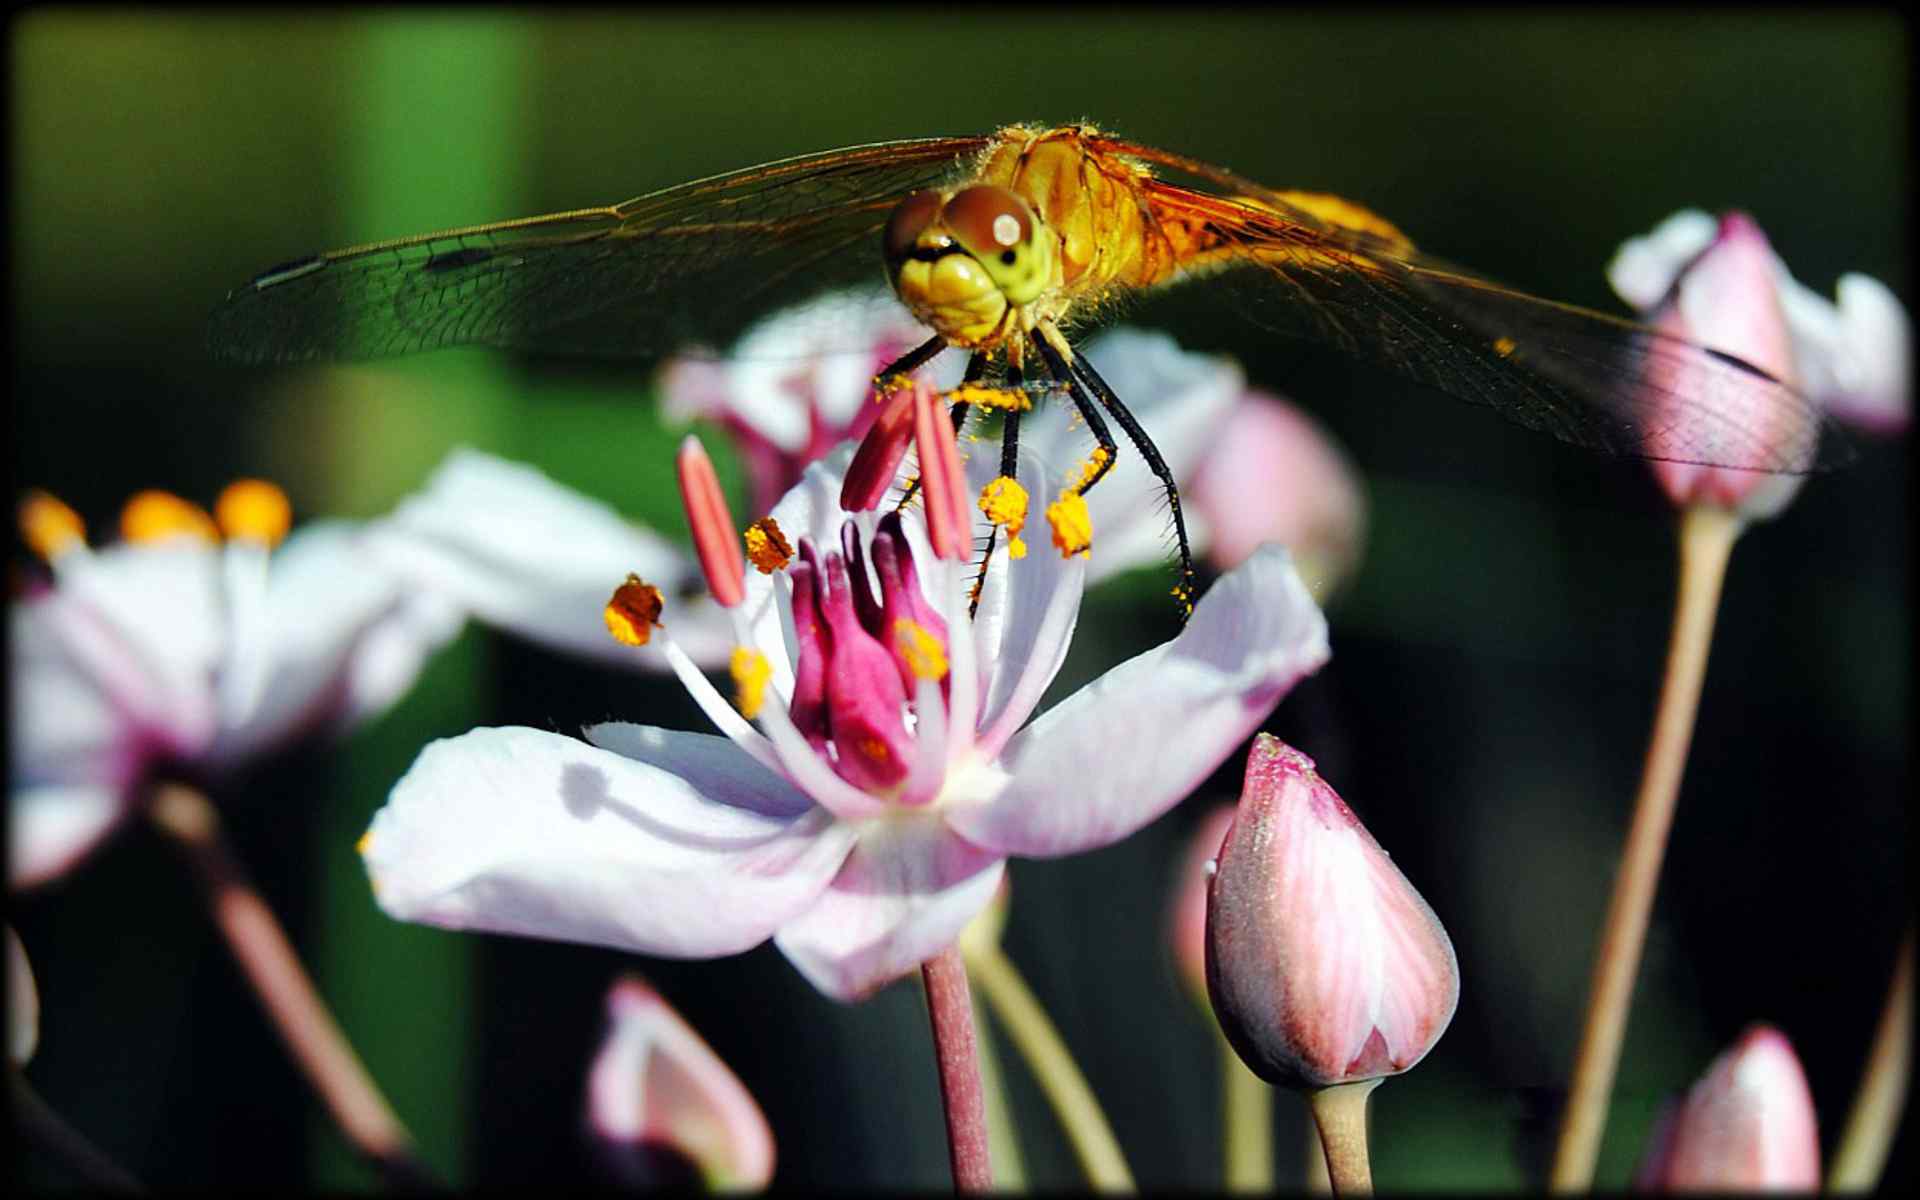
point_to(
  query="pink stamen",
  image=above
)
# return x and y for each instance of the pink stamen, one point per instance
(863, 599)
(715, 540)
(942, 478)
(877, 460)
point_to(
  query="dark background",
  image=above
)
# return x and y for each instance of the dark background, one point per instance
(1495, 660)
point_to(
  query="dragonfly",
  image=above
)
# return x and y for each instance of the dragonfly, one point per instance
(1007, 245)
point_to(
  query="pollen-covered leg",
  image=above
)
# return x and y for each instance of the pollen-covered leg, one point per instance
(1072, 526)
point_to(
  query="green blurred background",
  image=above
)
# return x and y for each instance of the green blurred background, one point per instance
(1495, 661)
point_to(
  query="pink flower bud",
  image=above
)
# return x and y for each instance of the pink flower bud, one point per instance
(1187, 914)
(656, 1084)
(1323, 964)
(1274, 475)
(1748, 1124)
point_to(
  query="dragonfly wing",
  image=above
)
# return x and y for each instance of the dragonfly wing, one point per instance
(692, 263)
(1319, 268)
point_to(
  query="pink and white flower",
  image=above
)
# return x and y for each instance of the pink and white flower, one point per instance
(656, 1083)
(1718, 283)
(862, 811)
(175, 651)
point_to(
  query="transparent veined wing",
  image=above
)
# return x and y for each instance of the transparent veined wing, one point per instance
(695, 263)
(1315, 268)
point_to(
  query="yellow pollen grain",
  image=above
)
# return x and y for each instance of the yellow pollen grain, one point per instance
(886, 385)
(1004, 502)
(364, 844)
(49, 525)
(254, 509)
(1092, 467)
(1016, 548)
(750, 670)
(1072, 524)
(634, 611)
(1007, 399)
(767, 546)
(1504, 347)
(153, 515)
(924, 654)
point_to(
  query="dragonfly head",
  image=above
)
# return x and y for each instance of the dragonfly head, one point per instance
(960, 260)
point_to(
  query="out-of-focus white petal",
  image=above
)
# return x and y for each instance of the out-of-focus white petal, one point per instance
(656, 1081)
(1855, 356)
(63, 725)
(539, 560)
(901, 897)
(23, 1003)
(1644, 268)
(527, 832)
(1131, 744)
(52, 826)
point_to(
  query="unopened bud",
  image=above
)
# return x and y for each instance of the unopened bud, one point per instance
(1747, 1125)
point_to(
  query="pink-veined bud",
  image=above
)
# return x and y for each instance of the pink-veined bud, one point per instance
(1746, 1125)
(1728, 299)
(942, 477)
(877, 459)
(655, 1083)
(1323, 964)
(715, 540)
(1187, 913)
(1274, 475)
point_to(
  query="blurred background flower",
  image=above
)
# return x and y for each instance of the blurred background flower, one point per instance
(1497, 647)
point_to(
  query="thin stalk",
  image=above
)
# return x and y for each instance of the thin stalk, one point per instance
(1003, 1135)
(264, 955)
(1039, 1042)
(1875, 1117)
(1340, 1112)
(39, 1126)
(950, 1009)
(1247, 1122)
(1318, 1183)
(1706, 540)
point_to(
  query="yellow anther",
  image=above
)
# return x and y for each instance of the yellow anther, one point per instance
(874, 749)
(926, 657)
(767, 547)
(1504, 346)
(750, 670)
(633, 612)
(49, 526)
(1007, 399)
(254, 509)
(153, 515)
(1004, 502)
(364, 844)
(1072, 524)
(1096, 462)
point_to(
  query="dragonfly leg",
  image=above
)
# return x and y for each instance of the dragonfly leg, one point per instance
(957, 412)
(908, 363)
(1187, 587)
(1003, 501)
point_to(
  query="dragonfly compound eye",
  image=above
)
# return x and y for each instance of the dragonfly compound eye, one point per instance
(1001, 232)
(909, 220)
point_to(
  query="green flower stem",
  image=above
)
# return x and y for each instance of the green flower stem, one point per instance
(1066, 1088)
(264, 955)
(1706, 540)
(1247, 1122)
(1340, 1112)
(1003, 1136)
(950, 1009)
(1875, 1117)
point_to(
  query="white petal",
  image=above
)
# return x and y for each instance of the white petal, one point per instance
(902, 896)
(539, 560)
(714, 766)
(1644, 268)
(527, 832)
(52, 826)
(64, 725)
(1131, 744)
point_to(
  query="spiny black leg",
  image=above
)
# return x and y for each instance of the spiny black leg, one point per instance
(1058, 368)
(1009, 469)
(912, 360)
(1185, 590)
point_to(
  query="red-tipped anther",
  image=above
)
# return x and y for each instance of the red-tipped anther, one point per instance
(714, 539)
(942, 478)
(877, 460)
